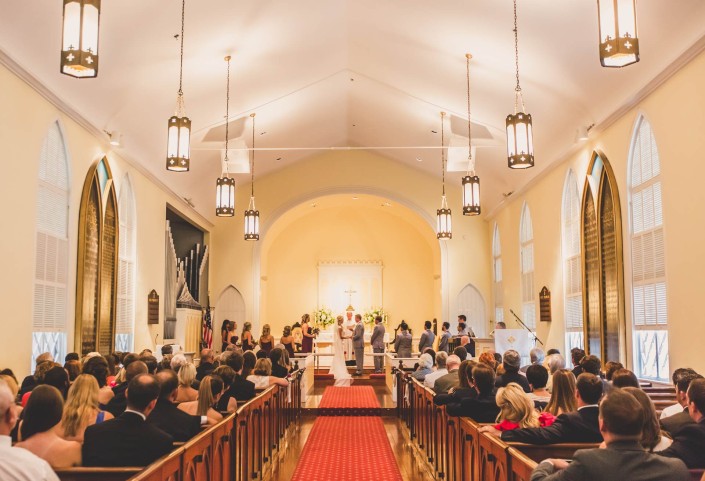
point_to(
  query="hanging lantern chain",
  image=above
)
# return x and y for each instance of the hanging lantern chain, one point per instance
(443, 158)
(471, 163)
(227, 115)
(252, 162)
(180, 94)
(518, 98)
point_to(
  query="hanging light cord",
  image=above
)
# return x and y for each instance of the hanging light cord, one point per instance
(517, 90)
(227, 114)
(252, 162)
(471, 166)
(180, 94)
(443, 159)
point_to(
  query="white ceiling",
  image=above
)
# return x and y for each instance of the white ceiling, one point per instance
(347, 73)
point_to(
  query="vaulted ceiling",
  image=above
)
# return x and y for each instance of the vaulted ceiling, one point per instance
(324, 74)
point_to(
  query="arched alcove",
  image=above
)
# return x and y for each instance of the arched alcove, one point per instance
(230, 305)
(472, 304)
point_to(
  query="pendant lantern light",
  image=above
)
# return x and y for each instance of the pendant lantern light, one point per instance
(79, 44)
(444, 228)
(252, 214)
(520, 143)
(619, 44)
(178, 150)
(225, 185)
(471, 182)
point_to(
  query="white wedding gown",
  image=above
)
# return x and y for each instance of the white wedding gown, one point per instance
(338, 368)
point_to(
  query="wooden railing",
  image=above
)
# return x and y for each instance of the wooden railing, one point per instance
(241, 447)
(454, 449)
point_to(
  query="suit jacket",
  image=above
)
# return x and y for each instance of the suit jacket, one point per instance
(689, 446)
(173, 421)
(443, 341)
(117, 405)
(482, 409)
(420, 374)
(402, 344)
(358, 337)
(444, 383)
(506, 378)
(124, 441)
(455, 397)
(674, 424)
(204, 369)
(577, 427)
(241, 389)
(377, 338)
(427, 340)
(622, 460)
(279, 371)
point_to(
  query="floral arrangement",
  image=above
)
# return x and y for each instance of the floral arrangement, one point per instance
(323, 317)
(369, 316)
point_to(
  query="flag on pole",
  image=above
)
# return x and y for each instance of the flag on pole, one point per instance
(207, 327)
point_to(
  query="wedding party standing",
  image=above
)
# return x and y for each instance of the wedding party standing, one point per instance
(377, 341)
(307, 340)
(358, 342)
(338, 368)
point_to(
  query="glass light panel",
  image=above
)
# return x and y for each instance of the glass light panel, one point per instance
(471, 195)
(89, 37)
(511, 139)
(178, 157)
(251, 225)
(72, 26)
(520, 144)
(225, 197)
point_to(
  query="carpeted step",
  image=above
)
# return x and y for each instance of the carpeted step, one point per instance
(349, 401)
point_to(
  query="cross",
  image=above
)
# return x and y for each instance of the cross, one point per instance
(350, 292)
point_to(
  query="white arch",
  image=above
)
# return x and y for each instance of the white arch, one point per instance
(472, 304)
(125, 313)
(230, 305)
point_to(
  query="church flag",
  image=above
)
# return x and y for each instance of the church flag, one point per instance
(207, 328)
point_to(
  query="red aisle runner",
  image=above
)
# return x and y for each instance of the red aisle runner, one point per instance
(347, 449)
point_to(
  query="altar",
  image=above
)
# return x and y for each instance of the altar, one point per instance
(323, 344)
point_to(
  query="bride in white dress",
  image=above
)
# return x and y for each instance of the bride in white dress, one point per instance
(338, 368)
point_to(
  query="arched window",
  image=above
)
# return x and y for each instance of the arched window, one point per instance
(649, 311)
(526, 254)
(497, 276)
(51, 251)
(572, 276)
(472, 304)
(125, 325)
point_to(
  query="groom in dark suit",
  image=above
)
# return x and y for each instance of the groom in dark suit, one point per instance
(358, 341)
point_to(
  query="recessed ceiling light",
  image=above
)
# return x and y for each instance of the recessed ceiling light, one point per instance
(386, 204)
(419, 159)
(314, 204)
(278, 159)
(355, 197)
(434, 131)
(262, 133)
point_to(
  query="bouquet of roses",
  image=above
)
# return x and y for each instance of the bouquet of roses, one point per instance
(323, 318)
(369, 316)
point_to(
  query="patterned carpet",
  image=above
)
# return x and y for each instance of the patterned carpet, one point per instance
(349, 401)
(347, 449)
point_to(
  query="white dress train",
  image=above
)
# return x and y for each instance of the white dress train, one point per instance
(338, 368)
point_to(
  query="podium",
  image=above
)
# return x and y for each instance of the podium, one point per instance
(517, 339)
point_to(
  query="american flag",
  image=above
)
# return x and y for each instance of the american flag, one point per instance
(207, 328)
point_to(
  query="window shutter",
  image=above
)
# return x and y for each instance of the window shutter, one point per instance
(497, 270)
(526, 233)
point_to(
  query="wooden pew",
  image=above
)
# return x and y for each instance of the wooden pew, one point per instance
(540, 452)
(493, 460)
(520, 465)
(167, 468)
(89, 474)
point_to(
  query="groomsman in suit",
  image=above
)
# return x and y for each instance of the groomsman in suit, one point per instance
(427, 337)
(377, 341)
(445, 337)
(358, 341)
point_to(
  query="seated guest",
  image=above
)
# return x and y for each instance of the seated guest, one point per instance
(30, 382)
(467, 343)
(625, 378)
(150, 361)
(97, 367)
(209, 393)
(563, 395)
(402, 344)
(72, 356)
(488, 359)
(516, 411)
(680, 404)
(536, 355)
(553, 362)
(689, 444)
(445, 337)
(464, 388)
(82, 408)
(577, 427)
(237, 388)
(552, 351)
(262, 375)
(128, 440)
(248, 363)
(58, 378)
(652, 438)
(577, 355)
(427, 337)
(444, 383)
(620, 423)
(17, 464)
(425, 367)
(186, 375)
(611, 367)
(461, 352)
(510, 362)
(279, 369)
(537, 376)
(73, 368)
(592, 365)
(206, 364)
(117, 404)
(167, 350)
(483, 407)
(674, 423)
(167, 416)
(38, 429)
(430, 379)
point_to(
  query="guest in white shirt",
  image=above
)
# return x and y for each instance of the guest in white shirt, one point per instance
(441, 358)
(537, 375)
(17, 464)
(262, 375)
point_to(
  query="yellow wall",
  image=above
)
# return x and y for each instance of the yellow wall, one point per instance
(348, 232)
(25, 118)
(675, 111)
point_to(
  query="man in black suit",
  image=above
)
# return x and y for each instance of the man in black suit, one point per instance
(512, 362)
(689, 444)
(578, 427)
(482, 408)
(206, 365)
(621, 421)
(577, 355)
(240, 388)
(673, 424)
(169, 418)
(118, 403)
(128, 440)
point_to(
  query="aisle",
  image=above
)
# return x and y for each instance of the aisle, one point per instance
(348, 448)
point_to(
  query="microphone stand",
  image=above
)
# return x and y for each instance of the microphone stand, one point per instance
(526, 327)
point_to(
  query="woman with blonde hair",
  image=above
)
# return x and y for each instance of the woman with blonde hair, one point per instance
(209, 393)
(262, 375)
(516, 411)
(187, 375)
(563, 393)
(81, 409)
(288, 341)
(266, 340)
(248, 343)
